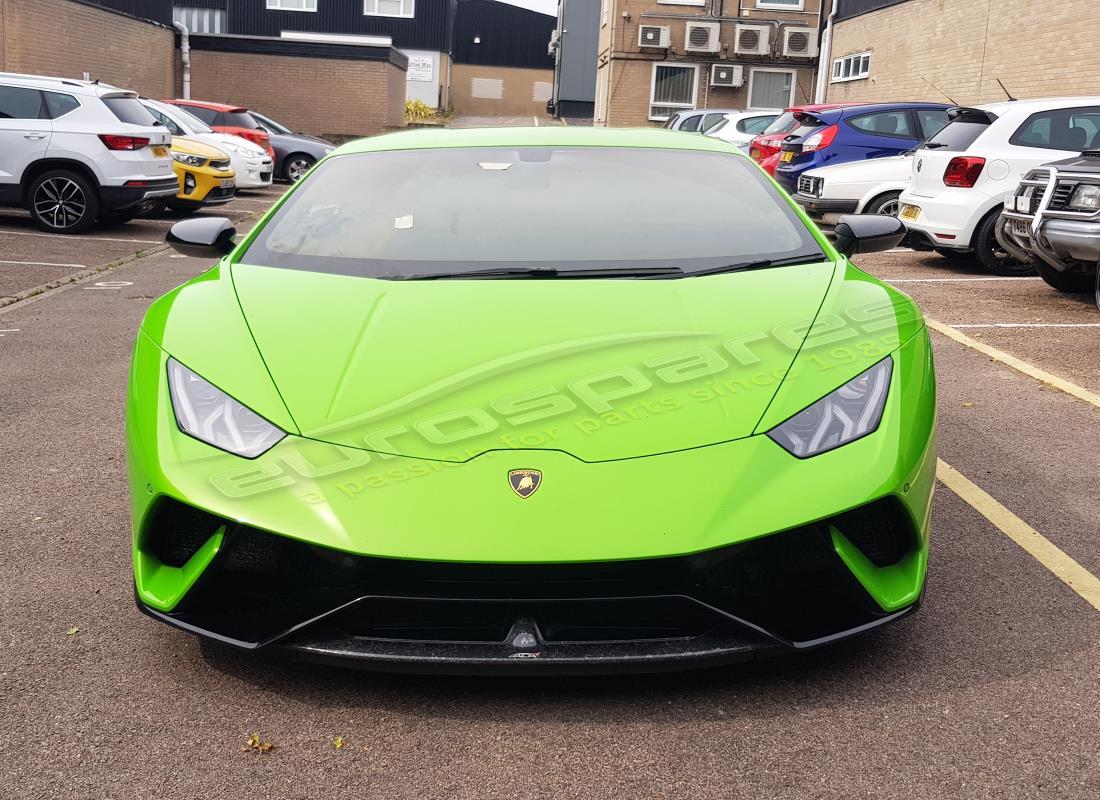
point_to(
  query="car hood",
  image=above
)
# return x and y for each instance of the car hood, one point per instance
(296, 140)
(872, 170)
(229, 139)
(600, 369)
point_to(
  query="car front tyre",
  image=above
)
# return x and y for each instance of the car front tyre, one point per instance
(887, 205)
(63, 201)
(296, 166)
(1069, 282)
(992, 256)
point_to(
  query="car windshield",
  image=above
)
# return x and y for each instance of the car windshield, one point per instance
(455, 211)
(129, 110)
(236, 119)
(958, 134)
(272, 125)
(184, 117)
(781, 124)
(806, 126)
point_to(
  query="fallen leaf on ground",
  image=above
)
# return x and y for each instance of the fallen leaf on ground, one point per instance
(338, 742)
(255, 744)
(73, 631)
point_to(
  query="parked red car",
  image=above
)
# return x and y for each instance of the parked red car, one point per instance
(228, 119)
(764, 149)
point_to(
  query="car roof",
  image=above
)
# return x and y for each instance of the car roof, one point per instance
(696, 111)
(822, 106)
(900, 104)
(70, 85)
(456, 138)
(224, 107)
(1036, 104)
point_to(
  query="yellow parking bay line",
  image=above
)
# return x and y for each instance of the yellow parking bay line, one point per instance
(1042, 549)
(1011, 361)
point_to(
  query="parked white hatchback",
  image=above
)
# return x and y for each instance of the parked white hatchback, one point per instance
(962, 175)
(742, 127)
(72, 152)
(251, 163)
(870, 186)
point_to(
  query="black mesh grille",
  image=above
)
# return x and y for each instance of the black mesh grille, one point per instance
(881, 531)
(176, 531)
(1062, 193)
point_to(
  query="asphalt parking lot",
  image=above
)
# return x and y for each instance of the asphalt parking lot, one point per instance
(991, 691)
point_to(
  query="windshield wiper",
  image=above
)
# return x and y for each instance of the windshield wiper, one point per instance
(932, 145)
(541, 272)
(746, 266)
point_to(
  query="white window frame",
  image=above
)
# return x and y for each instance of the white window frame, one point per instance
(681, 2)
(752, 74)
(653, 87)
(277, 5)
(857, 73)
(377, 13)
(775, 5)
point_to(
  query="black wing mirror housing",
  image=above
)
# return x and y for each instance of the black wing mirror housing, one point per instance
(867, 233)
(203, 237)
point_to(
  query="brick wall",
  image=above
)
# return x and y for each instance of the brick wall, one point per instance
(625, 72)
(522, 92)
(65, 39)
(962, 47)
(321, 96)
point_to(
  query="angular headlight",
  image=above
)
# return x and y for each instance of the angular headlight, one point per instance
(210, 415)
(1086, 197)
(849, 413)
(189, 160)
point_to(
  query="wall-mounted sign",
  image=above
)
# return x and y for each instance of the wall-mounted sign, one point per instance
(420, 68)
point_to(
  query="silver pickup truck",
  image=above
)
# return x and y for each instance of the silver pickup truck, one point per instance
(1053, 219)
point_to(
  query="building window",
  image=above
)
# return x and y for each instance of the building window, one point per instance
(771, 88)
(673, 88)
(200, 20)
(851, 68)
(292, 5)
(781, 5)
(389, 8)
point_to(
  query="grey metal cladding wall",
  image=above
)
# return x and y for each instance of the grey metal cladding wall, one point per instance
(579, 45)
(428, 30)
(510, 36)
(845, 9)
(155, 10)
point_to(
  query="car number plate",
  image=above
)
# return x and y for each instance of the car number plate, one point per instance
(159, 151)
(788, 155)
(227, 183)
(910, 212)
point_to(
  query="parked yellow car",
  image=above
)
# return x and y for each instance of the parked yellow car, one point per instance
(204, 173)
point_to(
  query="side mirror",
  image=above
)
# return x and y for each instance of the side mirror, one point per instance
(867, 233)
(203, 237)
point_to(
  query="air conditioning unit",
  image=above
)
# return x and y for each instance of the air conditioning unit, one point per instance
(702, 37)
(799, 42)
(753, 40)
(654, 36)
(732, 75)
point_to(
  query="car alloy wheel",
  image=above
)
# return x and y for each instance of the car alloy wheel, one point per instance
(60, 202)
(297, 167)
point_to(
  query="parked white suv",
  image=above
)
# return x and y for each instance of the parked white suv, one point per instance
(251, 162)
(962, 175)
(870, 186)
(72, 152)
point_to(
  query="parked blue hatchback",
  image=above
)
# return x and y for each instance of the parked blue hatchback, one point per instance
(854, 133)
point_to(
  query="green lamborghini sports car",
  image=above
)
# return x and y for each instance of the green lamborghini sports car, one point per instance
(531, 400)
